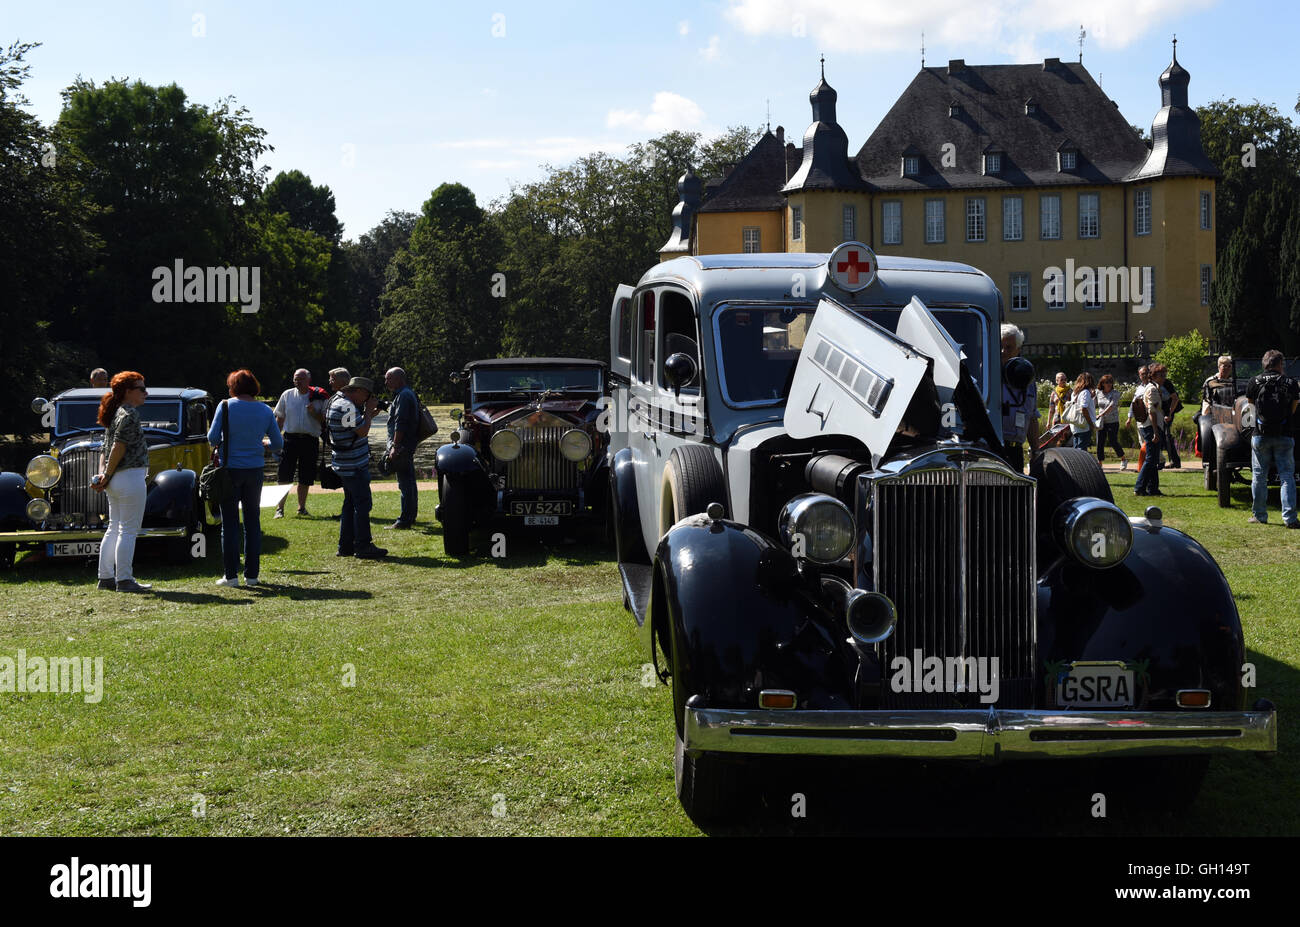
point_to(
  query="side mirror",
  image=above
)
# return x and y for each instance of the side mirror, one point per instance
(458, 414)
(680, 369)
(39, 405)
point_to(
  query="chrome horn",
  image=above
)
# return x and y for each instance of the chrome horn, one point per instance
(870, 616)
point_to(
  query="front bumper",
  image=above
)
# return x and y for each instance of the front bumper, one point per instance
(987, 735)
(87, 534)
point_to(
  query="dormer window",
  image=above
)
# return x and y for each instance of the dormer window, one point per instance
(1069, 159)
(911, 165)
(993, 162)
(954, 109)
(1031, 108)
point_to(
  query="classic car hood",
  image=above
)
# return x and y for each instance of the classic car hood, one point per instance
(493, 413)
(857, 379)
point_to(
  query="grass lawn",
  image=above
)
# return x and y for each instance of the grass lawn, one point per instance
(491, 696)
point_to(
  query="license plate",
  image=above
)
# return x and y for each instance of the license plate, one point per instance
(1097, 685)
(72, 549)
(541, 519)
(542, 507)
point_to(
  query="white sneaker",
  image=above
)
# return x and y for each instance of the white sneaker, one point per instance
(232, 583)
(279, 513)
(1123, 464)
(250, 580)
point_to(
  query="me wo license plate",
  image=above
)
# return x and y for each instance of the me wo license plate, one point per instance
(1097, 685)
(72, 549)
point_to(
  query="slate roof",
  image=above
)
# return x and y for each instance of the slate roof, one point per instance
(1070, 105)
(755, 183)
(1176, 149)
(826, 163)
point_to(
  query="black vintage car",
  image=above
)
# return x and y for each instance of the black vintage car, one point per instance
(1224, 445)
(528, 450)
(52, 506)
(826, 555)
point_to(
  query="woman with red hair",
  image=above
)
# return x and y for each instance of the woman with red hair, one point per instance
(245, 422)
(125, 468)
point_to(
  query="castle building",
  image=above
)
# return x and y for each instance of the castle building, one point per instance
(1028, 172)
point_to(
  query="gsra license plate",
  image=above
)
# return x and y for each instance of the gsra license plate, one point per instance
(72, 549)
(1097, 685)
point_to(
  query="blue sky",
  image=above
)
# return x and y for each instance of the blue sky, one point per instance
(383, 101)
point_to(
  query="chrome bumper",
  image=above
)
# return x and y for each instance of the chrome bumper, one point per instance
(84, 534)
(978, 734)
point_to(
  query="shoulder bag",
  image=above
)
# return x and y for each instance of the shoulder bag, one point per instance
(329, 477)
(214, 482)
(425, 426)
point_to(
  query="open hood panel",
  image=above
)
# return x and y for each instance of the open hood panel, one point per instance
(855, 378)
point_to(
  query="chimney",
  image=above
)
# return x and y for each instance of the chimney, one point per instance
(1051, 64)
(780, 136)
(955, 65)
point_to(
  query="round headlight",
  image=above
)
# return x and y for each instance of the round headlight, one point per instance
(1093, 532)
(38, 510)
(816, 526)
(44, 471)
(575, 445)
(506, 445)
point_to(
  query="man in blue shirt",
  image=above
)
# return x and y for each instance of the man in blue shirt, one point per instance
(402, 417)
(1019, 398)
(349, 416)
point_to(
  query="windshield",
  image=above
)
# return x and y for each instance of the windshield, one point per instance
(155, 414)
(536, 379)
(759, 346)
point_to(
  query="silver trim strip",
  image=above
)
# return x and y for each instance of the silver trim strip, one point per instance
(977, 734)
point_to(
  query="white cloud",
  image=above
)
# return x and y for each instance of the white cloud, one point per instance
(480, 164)
(1018, 27)
(711, 51)
(668, 111)
(684, 27)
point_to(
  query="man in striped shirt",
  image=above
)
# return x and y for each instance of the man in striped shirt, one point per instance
(349, 416)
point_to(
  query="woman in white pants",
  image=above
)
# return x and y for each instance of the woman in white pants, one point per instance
(123, 478)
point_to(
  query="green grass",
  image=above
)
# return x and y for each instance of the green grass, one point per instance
(518, 678)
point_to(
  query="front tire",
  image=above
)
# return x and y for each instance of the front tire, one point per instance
(708, 787)
(455, 518)
(692, 480)
(1211, 477)
(7, 553)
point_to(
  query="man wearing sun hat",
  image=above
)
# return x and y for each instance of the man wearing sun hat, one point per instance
(349, 416)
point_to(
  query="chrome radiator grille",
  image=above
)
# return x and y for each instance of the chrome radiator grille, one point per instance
(75, 495)
(540, 465)
(954, 549)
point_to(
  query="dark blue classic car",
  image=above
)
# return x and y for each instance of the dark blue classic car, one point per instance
(827, 556)
(52, 506)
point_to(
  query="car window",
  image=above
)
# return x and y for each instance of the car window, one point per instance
(645, 360)
(759, 346)
(155, 415)
(678, 330)
(625, 319)
(536, 379)
(198, 420)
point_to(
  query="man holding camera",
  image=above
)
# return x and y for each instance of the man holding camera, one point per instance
(400, 455)
(349, 417)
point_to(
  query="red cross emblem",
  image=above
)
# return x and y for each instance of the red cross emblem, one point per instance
(853, 266)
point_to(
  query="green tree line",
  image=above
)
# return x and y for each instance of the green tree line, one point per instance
(132, 178)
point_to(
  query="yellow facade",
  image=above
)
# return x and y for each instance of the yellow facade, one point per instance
(1176, 248)
(724, 232)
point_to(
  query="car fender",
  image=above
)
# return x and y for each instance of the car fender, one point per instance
(1226, 438)
(456, 460)
(728, 596)
(629, 544)
(13, 502)
(169, 498)
(1167, 608)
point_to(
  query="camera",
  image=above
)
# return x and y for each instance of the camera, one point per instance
(381, 405)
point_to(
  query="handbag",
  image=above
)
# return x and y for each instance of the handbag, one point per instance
(329, 477)
(425, 426)
(214, 482)
(1074, 414)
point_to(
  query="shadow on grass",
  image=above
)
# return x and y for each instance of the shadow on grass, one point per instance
(195, 598)
(266, 590)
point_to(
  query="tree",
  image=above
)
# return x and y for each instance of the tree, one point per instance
(1185, 355)
(1241, 293)
(308, 206)
(367, 268)
(440, 309)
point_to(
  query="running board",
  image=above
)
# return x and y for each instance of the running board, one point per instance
(636, 587)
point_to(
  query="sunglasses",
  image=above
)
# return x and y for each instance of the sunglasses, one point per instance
(140, 388)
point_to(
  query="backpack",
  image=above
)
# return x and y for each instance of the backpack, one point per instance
(1139, 409)
(1273, 405)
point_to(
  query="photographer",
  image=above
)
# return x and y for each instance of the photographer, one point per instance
(349, 417)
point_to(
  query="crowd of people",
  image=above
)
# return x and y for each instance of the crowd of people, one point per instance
(243, 430)
(1087, 406)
